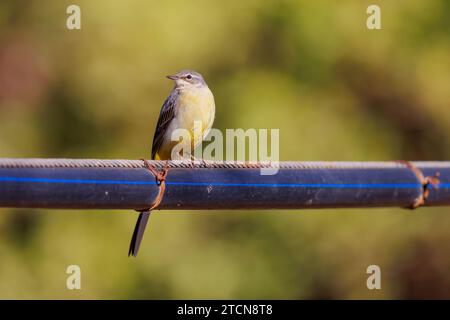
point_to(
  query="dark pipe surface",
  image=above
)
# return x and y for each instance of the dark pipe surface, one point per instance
(219, 188)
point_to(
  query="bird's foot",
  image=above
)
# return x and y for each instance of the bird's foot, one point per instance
(205, 163)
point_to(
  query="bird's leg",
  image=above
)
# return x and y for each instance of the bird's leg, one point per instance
(206, 164)
(193, 159)
(203, 161)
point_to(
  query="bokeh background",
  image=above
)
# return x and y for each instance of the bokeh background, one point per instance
(336, 91)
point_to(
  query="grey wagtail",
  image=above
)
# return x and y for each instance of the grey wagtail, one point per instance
(189, 101)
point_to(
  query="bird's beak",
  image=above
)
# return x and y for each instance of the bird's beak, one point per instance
(172, 77)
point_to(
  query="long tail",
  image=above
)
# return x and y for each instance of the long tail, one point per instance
(138, 233)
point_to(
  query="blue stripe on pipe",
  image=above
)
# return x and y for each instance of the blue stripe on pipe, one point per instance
(303, 185)
(80, 181)
(224, 184)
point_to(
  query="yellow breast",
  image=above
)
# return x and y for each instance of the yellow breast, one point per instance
(193, 105)
(196, 105)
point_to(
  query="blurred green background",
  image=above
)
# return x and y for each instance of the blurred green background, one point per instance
(336, 91)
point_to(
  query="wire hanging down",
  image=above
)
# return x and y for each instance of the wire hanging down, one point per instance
(128, 184)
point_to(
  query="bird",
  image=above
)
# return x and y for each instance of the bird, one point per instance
(189, 101)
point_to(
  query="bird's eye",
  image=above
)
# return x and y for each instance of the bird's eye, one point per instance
(189, 77)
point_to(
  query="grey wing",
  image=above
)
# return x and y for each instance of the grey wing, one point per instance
(165, 117)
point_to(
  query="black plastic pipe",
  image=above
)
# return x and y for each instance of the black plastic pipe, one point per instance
(126, 184)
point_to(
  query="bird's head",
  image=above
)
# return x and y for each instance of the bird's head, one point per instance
(188, 79)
